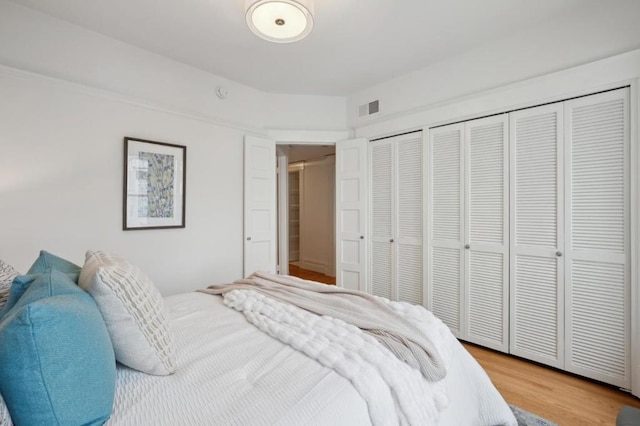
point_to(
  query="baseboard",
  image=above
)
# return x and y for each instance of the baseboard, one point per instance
(314, 266)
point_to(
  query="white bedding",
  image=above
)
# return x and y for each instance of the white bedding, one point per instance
(395, 392)
(230, 373)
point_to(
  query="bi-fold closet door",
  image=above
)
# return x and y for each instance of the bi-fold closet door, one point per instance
(570, 288)
(528, 233)
(396, 182)
(468, 242)
(537, 234)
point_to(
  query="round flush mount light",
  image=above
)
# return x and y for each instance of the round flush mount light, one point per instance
(280, 21)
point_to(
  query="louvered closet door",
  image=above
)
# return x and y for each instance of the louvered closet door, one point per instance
(409, 218)
(597, 229)
(536, 269)
(487, 232)
(446, 227)
(382, 184)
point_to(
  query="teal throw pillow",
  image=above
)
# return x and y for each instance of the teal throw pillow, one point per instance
(18, 287)
(57, 365)
(47, 260)
(44, 262)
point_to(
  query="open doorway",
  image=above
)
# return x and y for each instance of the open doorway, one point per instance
(308, 233)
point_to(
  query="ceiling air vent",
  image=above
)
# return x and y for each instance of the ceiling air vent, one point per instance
(369, 109)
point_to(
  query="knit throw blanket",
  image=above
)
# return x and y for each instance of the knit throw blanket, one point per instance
(395, 393)
(369, 313)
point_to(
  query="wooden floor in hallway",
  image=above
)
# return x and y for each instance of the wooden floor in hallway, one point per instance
(305, 274)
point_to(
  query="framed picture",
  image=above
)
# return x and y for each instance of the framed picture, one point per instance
(154, 185)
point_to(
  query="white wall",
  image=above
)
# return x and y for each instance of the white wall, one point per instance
(304, 112)
(61, 184)
(35, 42)
(69, 96)
(616, 71)
(297, 153)
(597, 31)
(317, 247)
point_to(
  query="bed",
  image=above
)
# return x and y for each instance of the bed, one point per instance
(229, 372)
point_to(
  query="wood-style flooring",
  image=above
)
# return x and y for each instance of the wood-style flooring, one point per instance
(305, 274)
(560, 397)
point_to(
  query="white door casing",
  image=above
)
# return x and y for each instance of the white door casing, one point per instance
(351, 214)
(260, 205)
(283, 210)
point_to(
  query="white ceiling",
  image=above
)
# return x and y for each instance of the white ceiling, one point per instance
(354, 43)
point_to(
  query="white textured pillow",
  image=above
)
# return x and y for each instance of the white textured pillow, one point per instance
(7, 274)
(133, 310)
(5, 417)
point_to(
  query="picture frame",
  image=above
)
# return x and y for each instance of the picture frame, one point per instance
(154, 188)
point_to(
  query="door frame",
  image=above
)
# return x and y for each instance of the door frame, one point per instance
(282, 171)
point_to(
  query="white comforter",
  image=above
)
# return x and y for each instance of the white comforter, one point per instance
(231, 373)
(395, 392)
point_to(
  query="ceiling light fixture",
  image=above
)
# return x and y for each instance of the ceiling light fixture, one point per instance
(280, 21)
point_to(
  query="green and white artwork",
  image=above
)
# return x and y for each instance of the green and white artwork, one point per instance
(158, 175)
(154, 185)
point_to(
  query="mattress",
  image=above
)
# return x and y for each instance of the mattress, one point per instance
(230, 373)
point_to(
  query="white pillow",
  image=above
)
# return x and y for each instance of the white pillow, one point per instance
(5, 417)
(133, 311)
(7, 274)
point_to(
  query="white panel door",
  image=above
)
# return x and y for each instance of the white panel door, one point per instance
(446, 227)
(487, 232)
(536, 265)
(409, 221)
(351, 214)
(381, 201)
(260, 201)
(597, 286)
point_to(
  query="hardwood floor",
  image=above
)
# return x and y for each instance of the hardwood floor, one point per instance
(559, 397)
(305, 274)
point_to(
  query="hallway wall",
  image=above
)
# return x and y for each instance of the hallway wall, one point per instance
(317, 246)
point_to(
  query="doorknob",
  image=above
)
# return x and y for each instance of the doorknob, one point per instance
(391, 240)
(248, 238)
(362, 237)
(467, 246)
(558, 253)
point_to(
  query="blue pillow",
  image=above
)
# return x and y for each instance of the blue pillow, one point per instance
(47, 260)
(44, 262)
(57, 365)
(18, 287)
